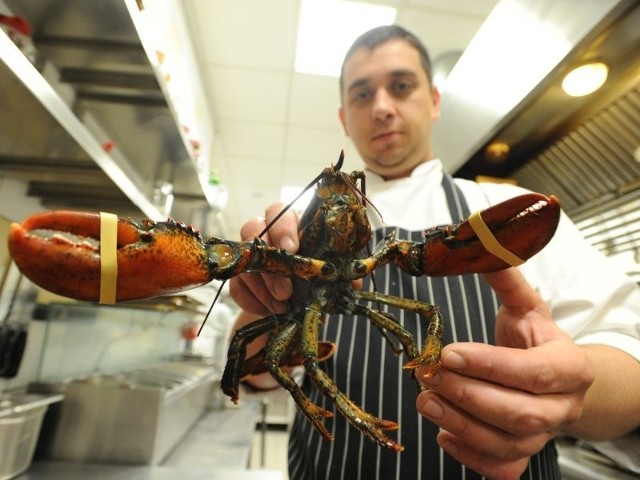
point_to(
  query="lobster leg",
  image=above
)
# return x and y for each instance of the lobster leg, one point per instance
(432, 346)
(255, 364)
(238, 350)
(275, 349)
(370, 425)
(283, 329)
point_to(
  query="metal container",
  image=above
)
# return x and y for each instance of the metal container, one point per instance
(20, 421)
(133, 418)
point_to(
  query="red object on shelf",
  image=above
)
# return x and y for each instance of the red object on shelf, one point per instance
(108, 146)
(19, 24)
(190, 332)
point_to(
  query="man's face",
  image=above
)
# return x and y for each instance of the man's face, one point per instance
(388, 108)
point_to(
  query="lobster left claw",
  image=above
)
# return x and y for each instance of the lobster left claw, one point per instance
(153, 258)
(506, 234)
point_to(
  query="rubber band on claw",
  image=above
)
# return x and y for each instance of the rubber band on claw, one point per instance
(108, 257)
(490, 242)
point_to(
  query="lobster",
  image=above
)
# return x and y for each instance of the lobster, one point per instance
(334, 236)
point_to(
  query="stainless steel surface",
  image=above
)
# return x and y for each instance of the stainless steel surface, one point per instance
(582, 464)
(135, 418)
(579, 148)
(222, 438)
(216, 447)
(66, 471)
(88, 125)
(518, 46)
(21, 417)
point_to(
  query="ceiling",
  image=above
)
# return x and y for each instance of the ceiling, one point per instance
(273, 126)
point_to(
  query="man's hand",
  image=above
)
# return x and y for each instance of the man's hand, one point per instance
(265, 294)
(498, 405)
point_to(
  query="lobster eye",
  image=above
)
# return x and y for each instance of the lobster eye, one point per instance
(358, 268)
(328, 270)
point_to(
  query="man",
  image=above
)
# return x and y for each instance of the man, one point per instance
(511, 378)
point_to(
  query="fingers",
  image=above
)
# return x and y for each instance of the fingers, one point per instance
(548, 368)
(265, 294)
(483, 447)
(524, 319)
(496, 468)
(490, 439)
(256, 293)
(507, 410)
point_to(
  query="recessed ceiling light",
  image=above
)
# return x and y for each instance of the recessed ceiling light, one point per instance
(585, 79)
(328, 27)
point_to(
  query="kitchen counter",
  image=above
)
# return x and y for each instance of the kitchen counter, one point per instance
(79, 471)
(222, 438)
(216, 448)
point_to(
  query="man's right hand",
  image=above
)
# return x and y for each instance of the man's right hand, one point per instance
(263, 294)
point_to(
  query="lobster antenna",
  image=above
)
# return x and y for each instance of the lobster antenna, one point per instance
(340, 161)
(215, 299)
(313, 182)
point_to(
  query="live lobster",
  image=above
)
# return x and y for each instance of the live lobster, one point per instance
(334, 232)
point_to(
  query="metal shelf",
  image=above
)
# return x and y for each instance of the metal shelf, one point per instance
(88, 124)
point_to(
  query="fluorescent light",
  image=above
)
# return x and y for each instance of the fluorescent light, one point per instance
(328, 27)
(585, 79)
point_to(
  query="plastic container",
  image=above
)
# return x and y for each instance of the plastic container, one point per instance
(20, 421)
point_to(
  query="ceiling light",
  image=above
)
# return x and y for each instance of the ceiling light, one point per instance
(328, 27)
(497, 151)
(585, 79)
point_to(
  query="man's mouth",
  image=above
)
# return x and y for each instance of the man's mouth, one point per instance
(385, 136)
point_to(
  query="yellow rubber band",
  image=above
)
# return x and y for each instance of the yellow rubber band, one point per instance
(108, 257)
(491, 243)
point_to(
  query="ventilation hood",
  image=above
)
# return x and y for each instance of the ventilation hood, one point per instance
(585, 150)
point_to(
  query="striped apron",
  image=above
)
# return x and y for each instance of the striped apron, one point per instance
(365, 368)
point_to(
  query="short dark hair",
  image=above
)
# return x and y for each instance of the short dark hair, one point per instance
(379, 35)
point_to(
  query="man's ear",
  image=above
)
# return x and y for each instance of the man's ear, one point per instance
(343, 120)
(437, 99)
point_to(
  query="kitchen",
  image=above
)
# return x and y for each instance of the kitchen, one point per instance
(79, 154)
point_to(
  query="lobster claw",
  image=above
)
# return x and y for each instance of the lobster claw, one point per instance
(520, 227)
(169, 256)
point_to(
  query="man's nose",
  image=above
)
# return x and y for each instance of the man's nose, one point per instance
(382, 105)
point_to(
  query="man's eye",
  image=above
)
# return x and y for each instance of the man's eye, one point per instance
(401, 87)
(361, 96)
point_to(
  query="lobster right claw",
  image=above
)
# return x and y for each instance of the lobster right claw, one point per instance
(153, 258)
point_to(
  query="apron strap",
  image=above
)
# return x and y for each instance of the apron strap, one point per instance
(455, 199)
